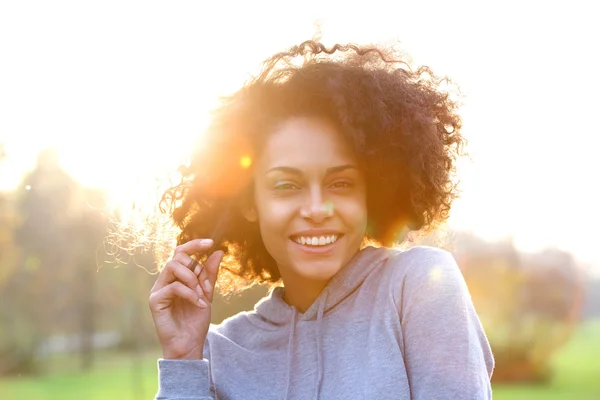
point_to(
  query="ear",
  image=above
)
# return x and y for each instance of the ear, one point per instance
(249, 212)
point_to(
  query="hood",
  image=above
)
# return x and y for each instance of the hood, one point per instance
(274, 311)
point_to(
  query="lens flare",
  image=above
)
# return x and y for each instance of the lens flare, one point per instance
(436, 274)
(225, 167)
(329, 207)
(246, 162)
(394, 234)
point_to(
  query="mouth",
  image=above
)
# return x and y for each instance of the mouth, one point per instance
(316, 241)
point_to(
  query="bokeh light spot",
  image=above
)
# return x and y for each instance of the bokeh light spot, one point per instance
(329, 207)
(246, 162)
(435, 275)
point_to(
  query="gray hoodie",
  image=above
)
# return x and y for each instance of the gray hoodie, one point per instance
(390, 325)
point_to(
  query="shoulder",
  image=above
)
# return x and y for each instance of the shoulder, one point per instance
(420, 261)
(232, 328)
(245, 323)
(423, 268)
(233, 323)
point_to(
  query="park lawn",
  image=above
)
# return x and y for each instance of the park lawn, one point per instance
(116, 376)
(576, 371)
(577, 377)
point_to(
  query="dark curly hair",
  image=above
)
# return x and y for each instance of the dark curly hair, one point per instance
(402, 126)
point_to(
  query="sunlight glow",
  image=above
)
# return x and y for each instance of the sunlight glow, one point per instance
(126, 106)
(246, 162)
(436, 274)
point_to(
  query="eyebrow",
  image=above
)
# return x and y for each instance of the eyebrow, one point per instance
(296, 171)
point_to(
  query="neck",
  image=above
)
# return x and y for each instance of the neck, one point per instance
(301, 293)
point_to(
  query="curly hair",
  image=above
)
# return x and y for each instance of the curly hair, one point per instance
(402, 126)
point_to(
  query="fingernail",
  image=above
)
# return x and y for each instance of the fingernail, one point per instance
(207, 285)
(202, 303)
(199, 291)
(206, 242)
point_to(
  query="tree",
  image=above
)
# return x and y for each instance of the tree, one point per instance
(529, 304)
(8, 219)
(61, 226)
(88, 229)
(8, 266)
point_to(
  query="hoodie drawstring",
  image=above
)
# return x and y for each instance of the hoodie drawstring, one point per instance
(320, 346)
(319, 334)
(289, 354)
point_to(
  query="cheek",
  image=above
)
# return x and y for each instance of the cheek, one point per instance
(273, 220)
(273, 216)
(354, 211)
(360, 220)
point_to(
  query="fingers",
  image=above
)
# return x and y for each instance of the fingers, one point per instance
(194, 246)
(198, 269)
(176, 270)
(163, 298)
(208, 274)
(201, 280)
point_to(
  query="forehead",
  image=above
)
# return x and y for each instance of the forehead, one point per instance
(306, 142)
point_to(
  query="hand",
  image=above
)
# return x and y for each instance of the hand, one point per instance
(180, 301)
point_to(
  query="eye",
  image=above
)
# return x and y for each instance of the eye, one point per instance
(341, 185)
(286, 186)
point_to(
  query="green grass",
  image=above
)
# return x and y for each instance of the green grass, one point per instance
(113, 378)
(576, 366)
(576, 371)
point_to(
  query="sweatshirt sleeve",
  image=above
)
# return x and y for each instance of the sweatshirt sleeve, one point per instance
(447, 354)
(183, 379)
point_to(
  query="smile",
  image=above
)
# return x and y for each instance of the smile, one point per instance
(316, 240)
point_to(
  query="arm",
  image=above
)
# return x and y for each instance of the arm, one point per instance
(447, 354)
(180, 303)
(183, 379)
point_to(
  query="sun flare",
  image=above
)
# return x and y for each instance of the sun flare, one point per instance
(129, 106)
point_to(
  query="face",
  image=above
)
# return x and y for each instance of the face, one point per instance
(310, 199)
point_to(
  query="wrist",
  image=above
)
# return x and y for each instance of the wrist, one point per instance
(194, 354)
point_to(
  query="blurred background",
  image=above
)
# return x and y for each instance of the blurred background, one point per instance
(101, 101)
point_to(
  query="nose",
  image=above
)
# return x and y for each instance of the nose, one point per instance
(317, 209)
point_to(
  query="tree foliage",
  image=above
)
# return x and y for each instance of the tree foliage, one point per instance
(529, 304)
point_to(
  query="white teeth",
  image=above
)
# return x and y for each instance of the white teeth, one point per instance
(316, 241)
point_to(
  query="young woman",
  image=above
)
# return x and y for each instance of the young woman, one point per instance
(306, 173)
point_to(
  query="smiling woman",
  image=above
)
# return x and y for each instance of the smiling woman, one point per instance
(325, 151)
(306, 164)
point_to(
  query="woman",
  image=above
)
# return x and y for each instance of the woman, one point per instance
(325, 150)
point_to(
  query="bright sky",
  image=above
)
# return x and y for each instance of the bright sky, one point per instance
(122, 88)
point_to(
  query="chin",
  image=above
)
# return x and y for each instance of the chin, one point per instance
(318, 271)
